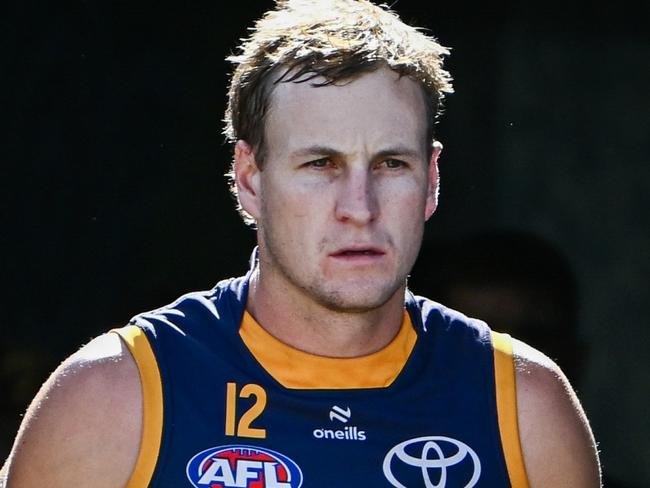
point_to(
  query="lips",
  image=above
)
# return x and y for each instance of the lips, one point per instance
(357, 251)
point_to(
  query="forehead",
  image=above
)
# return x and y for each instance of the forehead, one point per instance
(373, 111)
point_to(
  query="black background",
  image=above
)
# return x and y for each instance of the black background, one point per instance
(113, 196)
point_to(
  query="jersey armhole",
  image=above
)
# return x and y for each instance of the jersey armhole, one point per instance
(152, 417)
(506, 396)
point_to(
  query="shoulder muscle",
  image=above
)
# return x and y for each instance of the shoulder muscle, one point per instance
(83, 427)
(558, 446)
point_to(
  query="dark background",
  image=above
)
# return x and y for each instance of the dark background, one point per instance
(113, 199)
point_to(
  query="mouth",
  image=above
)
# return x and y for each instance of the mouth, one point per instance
(358, 252)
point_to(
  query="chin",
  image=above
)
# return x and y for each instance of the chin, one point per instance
(356, 299)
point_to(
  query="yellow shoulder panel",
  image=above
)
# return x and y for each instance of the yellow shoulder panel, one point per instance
(506, 393)
(152, 421)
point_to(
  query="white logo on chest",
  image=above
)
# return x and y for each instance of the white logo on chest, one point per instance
(427, 454)
(347, 433)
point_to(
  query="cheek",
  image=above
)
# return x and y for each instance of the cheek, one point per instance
(294, 204)
(292, 209)
(404, 213)
(406, 201)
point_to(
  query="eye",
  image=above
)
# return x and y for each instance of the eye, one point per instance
(391, 163)
(319, 163)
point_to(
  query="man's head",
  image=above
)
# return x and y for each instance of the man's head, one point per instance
(325, 42)
(346, 188)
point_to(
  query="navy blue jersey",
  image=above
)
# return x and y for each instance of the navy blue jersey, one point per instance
(227, 405)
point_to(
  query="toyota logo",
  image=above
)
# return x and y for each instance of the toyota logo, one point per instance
(433, 456)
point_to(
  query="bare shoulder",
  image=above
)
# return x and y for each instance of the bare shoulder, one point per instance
(83, 427)
(557, 442)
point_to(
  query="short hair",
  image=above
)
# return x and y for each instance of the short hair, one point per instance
(335, 41)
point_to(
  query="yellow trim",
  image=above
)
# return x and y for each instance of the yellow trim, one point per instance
(297, 369)
(506, 392)
(152, 397)
(244, 428)
(231, 403)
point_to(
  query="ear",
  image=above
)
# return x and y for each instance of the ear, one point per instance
(247, 178)
(433, 181)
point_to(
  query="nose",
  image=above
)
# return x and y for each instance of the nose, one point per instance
(357, 200)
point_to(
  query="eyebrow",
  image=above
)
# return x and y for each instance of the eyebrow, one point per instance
(317, 149)
(399, 151)
(330, 151)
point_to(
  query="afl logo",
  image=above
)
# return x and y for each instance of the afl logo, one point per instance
(433, 459)
(237, 466)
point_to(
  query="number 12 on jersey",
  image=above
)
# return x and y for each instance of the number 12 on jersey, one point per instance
(244, 428)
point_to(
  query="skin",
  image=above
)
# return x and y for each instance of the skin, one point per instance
(343, 175)
(558, 445)
(83, 427)
(368, 186)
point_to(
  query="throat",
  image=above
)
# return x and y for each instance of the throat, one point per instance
(297, 319)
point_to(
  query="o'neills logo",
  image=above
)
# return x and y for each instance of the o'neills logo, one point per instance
(347, 433)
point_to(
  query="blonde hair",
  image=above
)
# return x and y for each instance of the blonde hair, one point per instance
(326, 42)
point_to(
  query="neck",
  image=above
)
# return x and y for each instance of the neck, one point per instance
(287, 315)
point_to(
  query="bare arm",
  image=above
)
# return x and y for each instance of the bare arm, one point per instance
(83, 427)
(557, 442)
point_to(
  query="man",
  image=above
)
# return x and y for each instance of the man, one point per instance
(318, 368)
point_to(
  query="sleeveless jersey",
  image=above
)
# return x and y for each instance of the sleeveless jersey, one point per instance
(227, 405)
